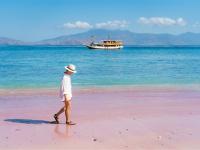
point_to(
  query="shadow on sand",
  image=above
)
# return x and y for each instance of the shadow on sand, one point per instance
(28, 121)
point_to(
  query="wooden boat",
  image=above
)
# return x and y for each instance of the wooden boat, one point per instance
(106, 44)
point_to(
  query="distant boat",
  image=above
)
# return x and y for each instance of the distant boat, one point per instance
(106, 44)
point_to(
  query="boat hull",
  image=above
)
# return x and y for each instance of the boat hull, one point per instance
(104, 47)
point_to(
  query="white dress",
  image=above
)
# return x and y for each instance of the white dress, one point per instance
(66, 87)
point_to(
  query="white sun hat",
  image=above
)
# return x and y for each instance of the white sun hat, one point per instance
(71, 68)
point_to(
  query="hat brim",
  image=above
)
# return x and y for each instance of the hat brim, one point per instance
(74, 71)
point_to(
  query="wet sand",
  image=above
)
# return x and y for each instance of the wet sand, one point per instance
(118, 118)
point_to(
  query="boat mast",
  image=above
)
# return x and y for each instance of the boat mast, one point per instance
(92, 39)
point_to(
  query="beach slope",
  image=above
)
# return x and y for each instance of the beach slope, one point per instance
(119, 118)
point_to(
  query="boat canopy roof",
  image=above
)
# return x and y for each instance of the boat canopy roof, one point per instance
(112, 42)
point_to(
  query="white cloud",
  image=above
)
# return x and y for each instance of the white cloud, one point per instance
(112, 24)
(78, 25)
(162, 21)
(181, 21)
(116, 24)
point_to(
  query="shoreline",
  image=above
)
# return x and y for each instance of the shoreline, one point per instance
(109, 88)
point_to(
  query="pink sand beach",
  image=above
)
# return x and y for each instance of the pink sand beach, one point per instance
(139, 118)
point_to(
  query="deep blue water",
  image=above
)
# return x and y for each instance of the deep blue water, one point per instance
(34, 66)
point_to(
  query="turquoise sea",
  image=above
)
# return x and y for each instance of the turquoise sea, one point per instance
(43, 66)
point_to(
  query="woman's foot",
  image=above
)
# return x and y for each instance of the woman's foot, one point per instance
(56, 118)
(70, 123)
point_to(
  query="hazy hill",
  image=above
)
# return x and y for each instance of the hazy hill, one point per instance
(129, 38)
(9, 41)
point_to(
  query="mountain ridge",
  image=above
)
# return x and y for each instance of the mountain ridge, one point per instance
(10, 41)
(128, 37)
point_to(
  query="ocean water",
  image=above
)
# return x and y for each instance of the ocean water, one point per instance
(43, 66)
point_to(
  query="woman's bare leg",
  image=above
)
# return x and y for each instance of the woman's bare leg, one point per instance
(60, 111)
(68, 110)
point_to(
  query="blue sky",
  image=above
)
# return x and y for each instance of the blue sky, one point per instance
(33, 20)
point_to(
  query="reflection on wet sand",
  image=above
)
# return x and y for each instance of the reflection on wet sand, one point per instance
(62, 131)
